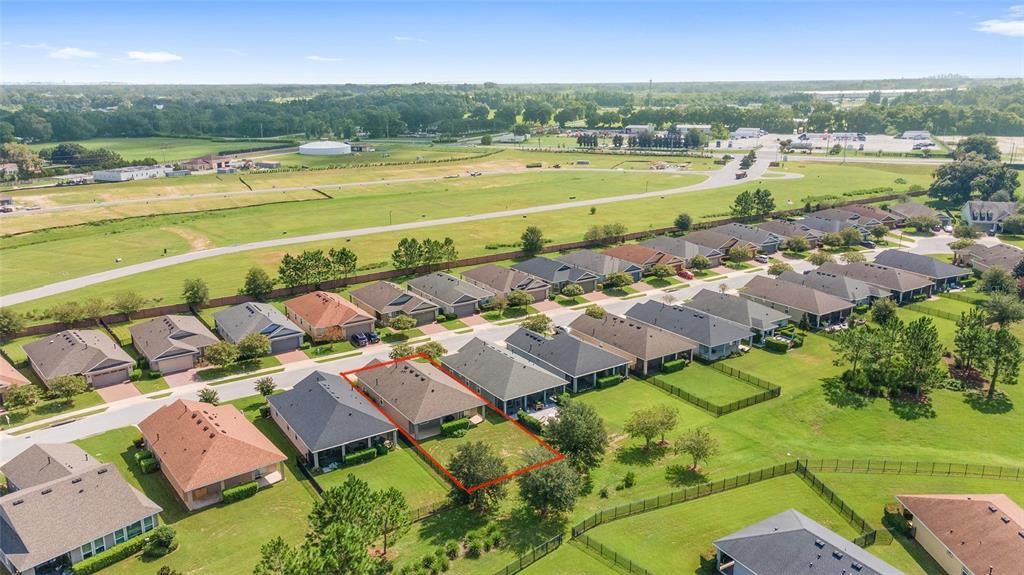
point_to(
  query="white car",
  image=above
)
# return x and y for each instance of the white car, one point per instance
(761, 259)
(948, 229)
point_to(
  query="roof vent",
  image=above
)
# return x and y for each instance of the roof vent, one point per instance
(1005, 519)
(101, 471)
(18, 502)
(46, 491)
(857, 566)
(837, 554)
(993, 508)
(76, 480)
(819, 543)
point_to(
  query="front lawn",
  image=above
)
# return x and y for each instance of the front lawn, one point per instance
(402, 469)
(619, 292)
(237, 368)
(509, 313)
(710, 384)
(706, 275)
(453, 324)
(47, 408)
(149, 385)
(659, 283)
(570, 301)
(327, 348)
(389, 336)
(737, 265)
(505, 437)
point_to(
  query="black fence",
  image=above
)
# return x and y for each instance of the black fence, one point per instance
(531, 557)
(614, 556)
(972, 299)
(825, 492)
(688, 494)
(887, 467)
(771, 392)
(928, 310)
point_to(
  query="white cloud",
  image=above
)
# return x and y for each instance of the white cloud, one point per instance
(153, 57)
(409, 39)
(316, 58)
(40, 46)
(72, 54)
(1011, 25)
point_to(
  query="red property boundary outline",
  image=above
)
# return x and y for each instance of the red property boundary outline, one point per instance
(558, 456)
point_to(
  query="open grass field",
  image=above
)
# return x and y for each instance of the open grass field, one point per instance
(208, 543)
(710, 384)
(670, 540)
(384, 153)
(161, 149)
(402, 469)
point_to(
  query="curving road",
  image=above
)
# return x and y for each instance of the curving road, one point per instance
(718, 179)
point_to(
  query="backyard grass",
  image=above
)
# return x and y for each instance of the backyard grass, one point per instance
(402, 469)
(571, 559)
(15, 353)
(505, 437)
(121, 333)
(237, 368)
(710, 384)
(670, 540)
(797, 370)
(206, 546)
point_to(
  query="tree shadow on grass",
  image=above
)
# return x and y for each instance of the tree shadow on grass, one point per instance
(640, 455)
(1000, 402)
(450, 525)
(839, 395)
(524, 529)
(909, 409)
(680, 475)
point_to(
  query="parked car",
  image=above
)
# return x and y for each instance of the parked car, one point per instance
(991, 232)
(948, 229)
(761, 259)
(373, 337)
(359, 340)
(869, 244)
(686, 274)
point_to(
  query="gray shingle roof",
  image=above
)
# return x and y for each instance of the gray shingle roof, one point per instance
(600, 264)
(737, 309)
(44, 462)
(501, 373)
(984, 257)
(680, 247)
(75, 352)
(238, 321)
(325, 411)
(448, 288)
(171, 335)
(50, 519)
(791, 542)
(419, 391)
(840, 286)
(553, 271)
(564, 352)
(920, 264)
(788, 229)
(700, 326)
(743, 232)
(795, 296)
(893, 279)
(711, 239)
(632, 336)
(984, 211)
(386, 298)
(913, 209)
(502, 280)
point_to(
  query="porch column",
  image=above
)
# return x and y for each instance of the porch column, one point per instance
(316, 460)
(343, 452)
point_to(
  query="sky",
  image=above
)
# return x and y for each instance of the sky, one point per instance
(576, 41)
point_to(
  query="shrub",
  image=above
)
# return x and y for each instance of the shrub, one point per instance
(381, 448)
(673, 365)
(161, 542)
(265, 411)
(450, 427)
(530, 422)
(149, 465)
(451, 549)
(603, 492)
(240, 492)
(139, 442)
(474, 547)
(142, 454)
(609, 381)
(360, 456)
(109, 557)
(629, 480)
(775, 346)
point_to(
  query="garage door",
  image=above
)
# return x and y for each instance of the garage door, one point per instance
(283, 345)
(175, 364)
(111, 378)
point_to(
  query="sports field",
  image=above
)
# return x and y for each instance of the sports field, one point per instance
(162, 149)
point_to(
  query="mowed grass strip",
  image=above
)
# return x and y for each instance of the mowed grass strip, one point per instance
(163, 149)
(402, 469)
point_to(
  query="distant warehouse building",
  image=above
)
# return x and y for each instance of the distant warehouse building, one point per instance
(325, 148)
(740, 133)
(917, 135)
(129, 173)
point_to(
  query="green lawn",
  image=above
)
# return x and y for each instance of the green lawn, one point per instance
(388, 336)
(571, 559)
(14, 351)
(797, 370)
(121, 333)
(403, 469)
(670, 540)
(237, 368)
(570, 301)
(619, 292)
(222, 538)
(47, 408)
(328, 348)
(162, 149)
(384, 153)
(510, 313)
(510, 442)
(453, 324)
(661, 282)
(150, 385)
(710, 384)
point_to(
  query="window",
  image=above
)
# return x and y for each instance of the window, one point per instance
(147, 523)
(87, 551)
(99, 545)
(135, 529)
(119, 536)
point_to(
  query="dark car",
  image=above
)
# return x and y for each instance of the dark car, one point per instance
(373, 337)
(868, 244)
(991, 232)
(359, 340)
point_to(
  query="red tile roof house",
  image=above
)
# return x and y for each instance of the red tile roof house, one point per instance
(326, 316)
(645, 257)
(9, 377)
(204, 449)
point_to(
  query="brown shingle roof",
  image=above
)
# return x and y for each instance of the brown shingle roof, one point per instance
(982, 531)
(75, 352)
(43, 462)
(386, 297)
(503, 280)
(642, 255)
(326, 309)
(199, 444)
(171, 335)
(9, 376)
(796, 296)
(419, 391)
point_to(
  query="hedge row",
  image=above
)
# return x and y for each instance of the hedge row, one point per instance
(609, 381)
(109, 557)
(776, 346)
(673, 365)
(360, 456)
(450, 427)
(240, 492)
(530, 422)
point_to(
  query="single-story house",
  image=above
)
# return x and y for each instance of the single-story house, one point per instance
(790, 543)
(764, 241)
(968, 534)
(238, 321)
(762, 320)
(10, 378)
(172, 343)
(86, 352)
(944, 275)
(905, 210)
(503, 281)
(869, 213)
(713, 240)
(558, 274)
(797, 301)
(981, 257)
(326, 419)
(716, 337)
(452, 295)
(327, 316)
(204, 449)
(854, 291)
(578, 362)
(987, 215)
(646, 257)
(44, 462)
(418, 397)
(785, 229)
(602, 265)
(646, 347)
(508, 381)
(903, 285)
(684, 250)
(58, 519)
(835, 220)
(384, 300)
